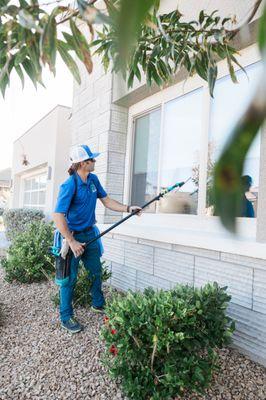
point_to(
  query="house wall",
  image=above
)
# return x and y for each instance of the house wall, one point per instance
(101, 124)
(137, 263)
(46, 146)
(161, 250)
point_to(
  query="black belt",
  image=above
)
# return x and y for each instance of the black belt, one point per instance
(84, 230)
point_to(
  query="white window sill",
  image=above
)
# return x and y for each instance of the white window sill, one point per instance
(194, 231)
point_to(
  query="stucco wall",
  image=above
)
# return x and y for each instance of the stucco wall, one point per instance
(45, 145)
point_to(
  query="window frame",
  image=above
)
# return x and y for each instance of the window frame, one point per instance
(30, 175)
(248, 56)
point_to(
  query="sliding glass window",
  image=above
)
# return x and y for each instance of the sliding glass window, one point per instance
(184, 138)
(146, 158)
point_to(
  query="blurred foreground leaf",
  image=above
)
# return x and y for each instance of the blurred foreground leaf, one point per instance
(229, 168)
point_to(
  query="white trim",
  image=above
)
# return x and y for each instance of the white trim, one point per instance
(34, 171)
(204, 154)
(247, 247)
(206, 233)
(28, 175)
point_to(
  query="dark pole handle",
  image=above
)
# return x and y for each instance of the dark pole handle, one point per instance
(177, 185)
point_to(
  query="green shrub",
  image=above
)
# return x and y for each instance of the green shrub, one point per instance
(161, 344)
(28, 259)
(82, 295)
(15, 220)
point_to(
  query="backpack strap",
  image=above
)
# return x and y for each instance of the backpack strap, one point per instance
(75, 191)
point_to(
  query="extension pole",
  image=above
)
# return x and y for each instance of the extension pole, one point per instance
(156, 198)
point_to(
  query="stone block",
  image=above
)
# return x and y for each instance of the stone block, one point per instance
(145, 280)
(237, 278)
(118, 121)
(259, 292)
(113, 250)
(173, 266)
(243, 260)
(139, 257)
(123, 277)
(197, 251)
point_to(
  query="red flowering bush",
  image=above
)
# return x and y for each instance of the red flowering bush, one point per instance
(162, 344)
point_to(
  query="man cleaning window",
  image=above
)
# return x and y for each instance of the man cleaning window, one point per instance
(74, 218)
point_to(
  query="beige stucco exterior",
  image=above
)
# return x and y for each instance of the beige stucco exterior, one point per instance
(46, 148)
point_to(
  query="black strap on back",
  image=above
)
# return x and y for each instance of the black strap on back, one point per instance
(75, 191)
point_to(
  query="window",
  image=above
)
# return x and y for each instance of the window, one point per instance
(146, 157)
(184, 137)
(34, 192)
(230, 101)
(181, 138)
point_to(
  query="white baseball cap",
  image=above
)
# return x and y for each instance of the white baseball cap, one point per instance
(81, 152)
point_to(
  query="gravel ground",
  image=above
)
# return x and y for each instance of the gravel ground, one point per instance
(39, 361)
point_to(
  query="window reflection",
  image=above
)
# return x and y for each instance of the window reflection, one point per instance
(229, 102)
(182, 131)
(146, 158)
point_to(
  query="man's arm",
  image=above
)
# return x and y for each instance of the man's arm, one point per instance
(61, 224)
(116, 206)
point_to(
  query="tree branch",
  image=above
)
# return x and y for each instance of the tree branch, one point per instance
(234, 32)
(75, 13)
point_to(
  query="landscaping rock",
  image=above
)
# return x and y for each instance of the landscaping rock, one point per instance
(39, 361)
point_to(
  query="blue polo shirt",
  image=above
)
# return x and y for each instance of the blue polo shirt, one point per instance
(80, 210)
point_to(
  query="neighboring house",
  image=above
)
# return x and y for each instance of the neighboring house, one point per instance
(5, 187)
(151, 138)
(41, 160)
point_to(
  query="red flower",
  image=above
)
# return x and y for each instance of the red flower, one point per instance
(105, 319)
(113, 350)
(113, 331)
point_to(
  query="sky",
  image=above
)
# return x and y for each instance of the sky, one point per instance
(20, 109)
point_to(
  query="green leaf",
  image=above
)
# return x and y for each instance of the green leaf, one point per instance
(30, 70)
(201, 17)
(71, 42)
(130, 79)
(48, 42)
(234, 59)
(23, 4)
(4, 82)
(231, 70)
(71, 64)
(12, 10)
(262, 31)
(20, 74)
(212, 76)
(21, 55)
(131, 16)
(82, 47)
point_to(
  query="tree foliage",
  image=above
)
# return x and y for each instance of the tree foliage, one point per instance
(165, 44)
(30, 38)
(32, 35)
(136, 40)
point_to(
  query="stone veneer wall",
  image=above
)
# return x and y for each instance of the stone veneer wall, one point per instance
(138, 263)
(102, 125)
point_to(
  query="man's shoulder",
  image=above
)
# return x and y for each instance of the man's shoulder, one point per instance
(69, 182)
(94, 177)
